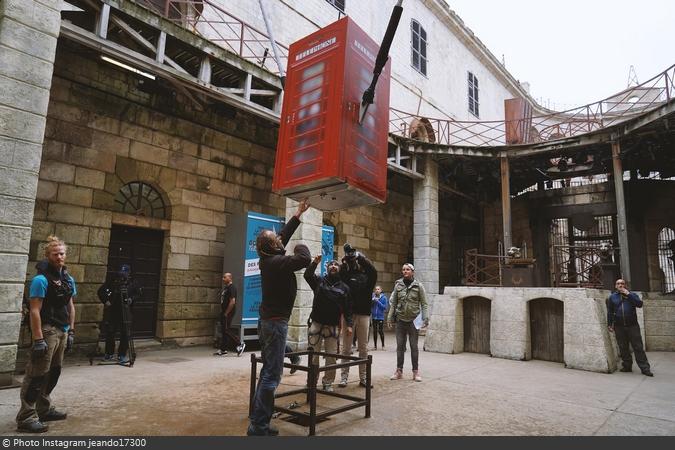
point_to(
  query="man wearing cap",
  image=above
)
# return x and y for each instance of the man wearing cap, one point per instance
(407, 300)
(331, 300)
(117, 296)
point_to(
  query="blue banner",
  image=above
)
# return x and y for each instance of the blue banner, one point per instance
(255, 223)
(327, 246)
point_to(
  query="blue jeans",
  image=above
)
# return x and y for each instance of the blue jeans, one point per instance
(406, 331)
(272, 335)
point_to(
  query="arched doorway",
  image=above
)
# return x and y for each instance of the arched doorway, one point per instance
(141, 249)
(477, 325)
(546, 329)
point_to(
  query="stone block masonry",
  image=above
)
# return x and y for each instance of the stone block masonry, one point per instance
(28, 34)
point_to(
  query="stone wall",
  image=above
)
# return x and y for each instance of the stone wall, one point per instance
(107, 127)
(587, 342)
(28, 34)
(659, 330)
(384, 233)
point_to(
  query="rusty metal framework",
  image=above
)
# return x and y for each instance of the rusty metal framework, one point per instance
(211, 21)
(613, 110)
(483, 270)
(313, 416)
(576, 254)
(577, 266)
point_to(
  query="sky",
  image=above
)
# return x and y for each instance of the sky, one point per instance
(574, 52)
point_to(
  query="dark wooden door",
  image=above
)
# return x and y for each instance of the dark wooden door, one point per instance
(142, 249)
(477, 325)
(546, 329)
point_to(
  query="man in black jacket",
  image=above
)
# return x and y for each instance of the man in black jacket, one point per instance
(622, 320)
(331, 300)
(117, 296)
(360, 275)
(279, 288)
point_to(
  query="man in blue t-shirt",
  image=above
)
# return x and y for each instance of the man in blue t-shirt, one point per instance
(52, 321)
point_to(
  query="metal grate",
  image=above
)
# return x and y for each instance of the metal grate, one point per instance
(666, 248)
(140, 199)
(575, 252)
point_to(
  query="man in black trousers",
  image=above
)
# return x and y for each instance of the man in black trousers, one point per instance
(622, 321)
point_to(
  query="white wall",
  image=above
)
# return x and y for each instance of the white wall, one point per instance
(444, 90)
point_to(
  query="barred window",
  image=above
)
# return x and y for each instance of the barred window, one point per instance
(473, 95)
(419, 47)
(339, 4)
(140, 199)
(666, 248)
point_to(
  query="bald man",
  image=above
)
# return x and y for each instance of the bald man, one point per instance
(622, 321)
(228, 301)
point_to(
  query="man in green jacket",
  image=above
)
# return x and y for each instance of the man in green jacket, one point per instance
(407, 300)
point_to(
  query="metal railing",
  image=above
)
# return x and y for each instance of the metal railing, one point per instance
(578, 266)
(554, 125)
(211, 21)
(483, 270)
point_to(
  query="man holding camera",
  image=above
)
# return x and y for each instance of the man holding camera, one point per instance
(117, 297)
(360, 275)
(622, 321)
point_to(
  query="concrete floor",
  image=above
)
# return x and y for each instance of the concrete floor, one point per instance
(190, 392)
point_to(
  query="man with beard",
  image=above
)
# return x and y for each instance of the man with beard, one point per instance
(408, 300)
(360, 275)
(279, 288)
(52, 322)
(331, 300)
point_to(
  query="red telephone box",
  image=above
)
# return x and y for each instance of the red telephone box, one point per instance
(323, 152)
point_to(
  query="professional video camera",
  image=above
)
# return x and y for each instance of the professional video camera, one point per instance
(350, 252)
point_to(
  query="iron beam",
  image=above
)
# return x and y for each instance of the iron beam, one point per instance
(506, 202)
(622, 229)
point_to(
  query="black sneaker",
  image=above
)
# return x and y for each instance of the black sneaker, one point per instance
(54, 415)
(241, 348)
(32, 427)
(626, 369)
(647, 373)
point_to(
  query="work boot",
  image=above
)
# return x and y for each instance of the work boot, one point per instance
(397, 375)
(626, 369)
(294, 360)
(53, 415)
(416, 375)
(32, 427)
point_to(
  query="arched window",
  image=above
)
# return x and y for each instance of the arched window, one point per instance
(418, 38)
(140, 199)
(666, 248)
